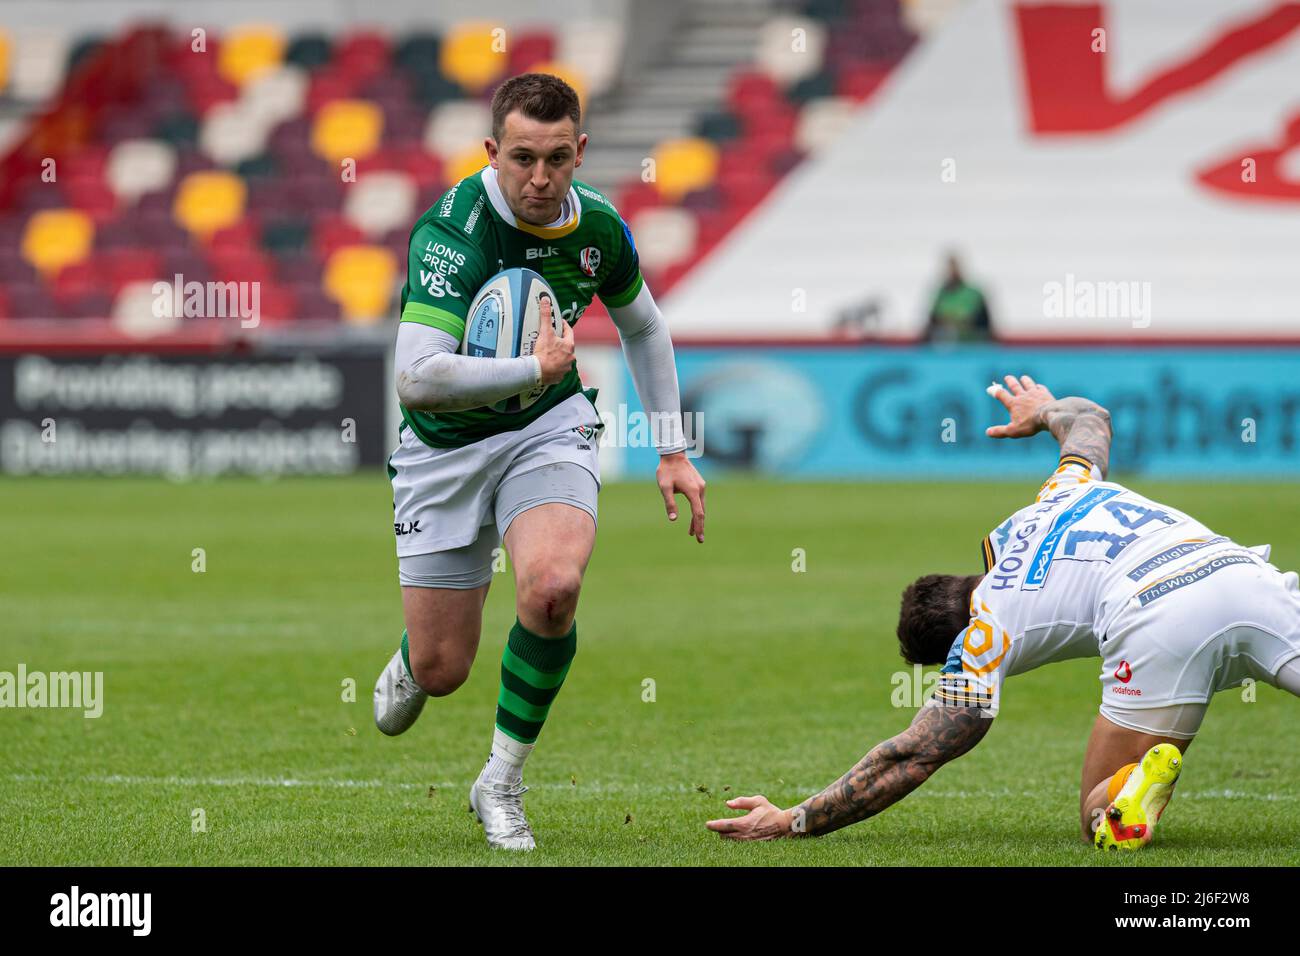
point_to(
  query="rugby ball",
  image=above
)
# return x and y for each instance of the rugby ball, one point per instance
(504, 321)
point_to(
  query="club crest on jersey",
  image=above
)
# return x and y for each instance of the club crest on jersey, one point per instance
(589, 260)
(587, 432)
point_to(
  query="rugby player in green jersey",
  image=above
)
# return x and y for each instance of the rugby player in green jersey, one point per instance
(465, 475)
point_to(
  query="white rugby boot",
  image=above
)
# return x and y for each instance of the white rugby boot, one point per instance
(500, 808)
(398, 698)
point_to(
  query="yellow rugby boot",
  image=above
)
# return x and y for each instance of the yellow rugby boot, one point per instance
(1131, 818)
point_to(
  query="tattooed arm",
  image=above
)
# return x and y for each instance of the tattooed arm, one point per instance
(894, 768)
(1080, 425)
(891, 771)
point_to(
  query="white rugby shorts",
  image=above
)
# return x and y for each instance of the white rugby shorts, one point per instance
(444, 499)
(1226, 618)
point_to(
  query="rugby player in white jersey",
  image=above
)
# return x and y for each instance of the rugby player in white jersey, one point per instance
(1175, 612)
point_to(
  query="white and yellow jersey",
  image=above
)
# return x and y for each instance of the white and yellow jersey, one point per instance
(1061, 569)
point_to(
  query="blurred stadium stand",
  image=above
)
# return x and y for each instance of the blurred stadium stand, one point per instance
(135, 157)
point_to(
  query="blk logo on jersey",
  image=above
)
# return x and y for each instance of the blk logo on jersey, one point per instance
(589, 260)
(1124, 673)
(406, 527)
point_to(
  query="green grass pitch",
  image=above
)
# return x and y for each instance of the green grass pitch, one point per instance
(223, 690)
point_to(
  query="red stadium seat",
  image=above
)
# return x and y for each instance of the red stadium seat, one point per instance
(529, 49)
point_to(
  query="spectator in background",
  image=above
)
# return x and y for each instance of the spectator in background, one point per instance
(959, 313)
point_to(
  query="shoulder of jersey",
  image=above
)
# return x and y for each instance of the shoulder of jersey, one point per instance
(595, 203)
(462, 209)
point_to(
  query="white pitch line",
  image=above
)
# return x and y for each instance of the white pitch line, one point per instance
(346, 784)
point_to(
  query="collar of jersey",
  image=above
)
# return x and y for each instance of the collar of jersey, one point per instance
(498, 200)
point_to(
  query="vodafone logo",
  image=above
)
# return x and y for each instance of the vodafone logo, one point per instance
(1124, 672)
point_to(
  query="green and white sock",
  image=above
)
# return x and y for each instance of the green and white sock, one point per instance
(406, 655)
(533, 669)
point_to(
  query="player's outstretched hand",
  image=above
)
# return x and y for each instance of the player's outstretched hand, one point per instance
(555, 353)
(764, 821)
(1023, 397)
(677, 476)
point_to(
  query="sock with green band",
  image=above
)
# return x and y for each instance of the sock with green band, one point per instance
(406, 655)
(533, 669)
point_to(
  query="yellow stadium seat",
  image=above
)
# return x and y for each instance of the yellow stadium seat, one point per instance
(55, 238)
(208, 201)
(474, 55)
(569, 75)
(361, 280)
(464, 163)
(247, 53)
(683, 165)
(347, 129)
(4, 61)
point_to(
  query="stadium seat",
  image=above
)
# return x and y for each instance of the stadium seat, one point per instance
(88, 192)
(683, 165)
(465, 163)
(276, 95)
(36, 67)
(248, 52)
(332, 233)
(527, 50)
(417, 52)
(594, 48)
(821, 121)
(55, 238)
(664, 236)
(286, 236)
(133, 312)
(473, 56)
(569, 74)
(229, 134)
(456, 126)
(347, 129)
(208, 201)
(309, 50)
(718, 127)
(123, 266)
(362, 56)
(380, 202)
(790, 48)
(361, 280)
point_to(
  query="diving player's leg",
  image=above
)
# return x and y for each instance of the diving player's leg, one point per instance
(1115, 752)
(549, 514)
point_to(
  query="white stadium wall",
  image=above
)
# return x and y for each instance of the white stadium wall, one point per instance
(1089, 194)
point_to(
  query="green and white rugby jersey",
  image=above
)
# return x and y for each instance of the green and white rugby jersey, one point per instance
(470, 235)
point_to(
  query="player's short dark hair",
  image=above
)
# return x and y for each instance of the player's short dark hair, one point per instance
(538, 96)
(935, 609)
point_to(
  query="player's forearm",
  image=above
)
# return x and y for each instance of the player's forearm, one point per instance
(894, 768)
(431, 377)
(452, 383)
(648, 350)
(880, 779)
(1082, 427)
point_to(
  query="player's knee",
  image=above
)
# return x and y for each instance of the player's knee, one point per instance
(439, 676)
(551, 596)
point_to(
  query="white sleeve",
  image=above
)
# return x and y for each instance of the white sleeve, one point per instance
(648, 349)
(432, 377)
